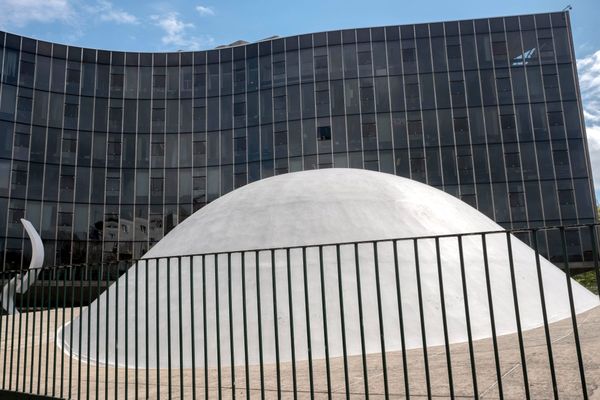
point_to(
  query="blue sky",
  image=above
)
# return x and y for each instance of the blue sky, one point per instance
(184, 25)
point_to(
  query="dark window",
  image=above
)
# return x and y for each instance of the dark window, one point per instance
(324, 133)
(555, 118)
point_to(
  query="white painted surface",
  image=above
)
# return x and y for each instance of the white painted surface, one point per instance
(20, 284)
(318, 207)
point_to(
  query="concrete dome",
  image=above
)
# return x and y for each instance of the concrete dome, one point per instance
(311, 208)
(319, 207)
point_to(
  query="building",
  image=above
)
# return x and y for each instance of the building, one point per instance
(106, 151)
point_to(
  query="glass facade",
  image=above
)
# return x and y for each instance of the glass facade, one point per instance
(105, 152)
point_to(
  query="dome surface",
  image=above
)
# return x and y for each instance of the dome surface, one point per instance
(319, 207)
(189, 288)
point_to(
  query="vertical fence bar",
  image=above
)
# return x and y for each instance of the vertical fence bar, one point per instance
(80, 336)
(307, 316)
(275, 323)
(118, 268)
(422, 318)
(595, 256)
(204, 328)
(260, 343)
(342, 321)
(3, 325)
(126, 381)
(29, 289)
(361, 322)
(29, 272)
(15, 316)
(56, 279)
(62, 336)
(126, 328)
(192, 323)
(135, 328)
(465, 291)
(4, 363)
(106, 347)
(48, 317)
(444, 318)
(517, 315)
(97, 385)
(40, 344)
(245, 322)
(291, 311)
(33, 323)
(218, 327)
(180, 300)
(573, 314)
(169, 383)
(534, 242)
(20, 334)
(8, 320)
(157, 263)
(147, 329)
(231, 349)
(325, 333)
(492, 319)
(2, 318)
(401, 322)
(6, 275)
(381, 326)
(89, 329)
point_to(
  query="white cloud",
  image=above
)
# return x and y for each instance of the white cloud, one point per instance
(108, 13)
(589, 83)
(177, 32)
(18, 13)
(75, 14)
(593, 134)
(205, 10)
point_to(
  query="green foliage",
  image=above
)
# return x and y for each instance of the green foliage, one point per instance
(587, 279)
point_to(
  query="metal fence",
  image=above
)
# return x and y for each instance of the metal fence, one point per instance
(470, 314)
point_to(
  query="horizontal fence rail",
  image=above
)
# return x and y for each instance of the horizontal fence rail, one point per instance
(406, 317)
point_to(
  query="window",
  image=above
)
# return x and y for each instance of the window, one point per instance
(417, 165)
(561, 158)
(517, 199)
(414, 130)
(71, 110)
(112, 186)
(64, 219)
(512, 160)
(499, 50)
(555, 118)
(453, 52)
(465, 163)
(565, 197)
(461, 125)
(324, 133)
(67, 182)
(158, 149)
(409, 55)
(239, 109)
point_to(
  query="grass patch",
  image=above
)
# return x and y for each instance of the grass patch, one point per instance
(587, 279)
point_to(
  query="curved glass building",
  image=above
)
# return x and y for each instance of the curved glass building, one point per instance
(105, 151)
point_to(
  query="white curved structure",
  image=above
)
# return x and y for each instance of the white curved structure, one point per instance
(306, 208)
(20, 284)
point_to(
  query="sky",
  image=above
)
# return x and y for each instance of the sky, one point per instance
(129, 25)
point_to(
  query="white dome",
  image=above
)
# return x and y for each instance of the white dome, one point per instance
(317, 208)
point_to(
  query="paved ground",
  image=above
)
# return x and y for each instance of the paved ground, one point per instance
(33, 376)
